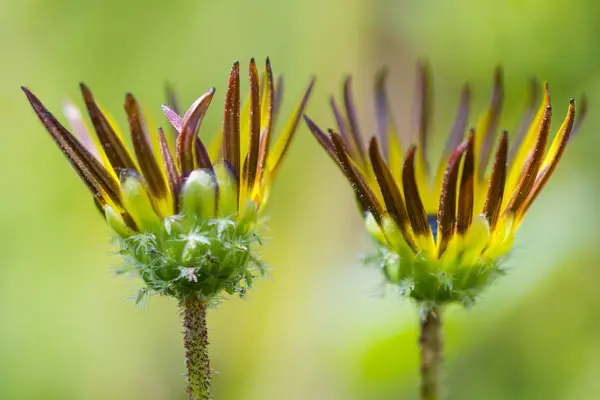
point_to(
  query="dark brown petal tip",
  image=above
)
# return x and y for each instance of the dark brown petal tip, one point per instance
(555, 154)
(581, 115)
(365, 196)
(392, 197)
(97, 179)
(190, 150)
(447, 206)
(466, 194)
(113, 146)
(254, 140)
(143, 149)
(231, 121)
(532, 166)
(414, 204)
(495, 194)
(170, 168)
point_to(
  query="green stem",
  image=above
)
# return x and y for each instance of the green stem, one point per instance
(195, 338)
(432, 349)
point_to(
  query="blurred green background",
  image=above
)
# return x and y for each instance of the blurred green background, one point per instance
(322, 327)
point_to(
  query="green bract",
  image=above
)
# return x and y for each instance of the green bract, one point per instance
(197, 252)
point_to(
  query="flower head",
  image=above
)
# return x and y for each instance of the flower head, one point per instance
(441, 232)
(185, 214)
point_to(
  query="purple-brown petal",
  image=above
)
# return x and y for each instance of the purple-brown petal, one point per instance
(170, 168)
(563, 137)
(414, 204)
(466, 194)
(96, 178)
(365, 196)
(113, 146)
(447, 206)
(190, 151)
(392, 197)
(254, 140)
(532, 167)
(267, 116)
(143, 150)
(495, 194)
(231, 121)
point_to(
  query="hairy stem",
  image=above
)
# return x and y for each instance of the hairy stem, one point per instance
(432, 348)
(195, 339)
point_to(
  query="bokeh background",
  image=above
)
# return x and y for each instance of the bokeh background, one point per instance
(323, 326)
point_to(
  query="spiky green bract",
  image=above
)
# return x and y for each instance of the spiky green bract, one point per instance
(204, 251)
(423, 280)
(187, 256)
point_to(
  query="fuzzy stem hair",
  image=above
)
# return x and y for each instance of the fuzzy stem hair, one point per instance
(195, 337)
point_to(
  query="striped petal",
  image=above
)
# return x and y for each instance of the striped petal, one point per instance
(231, 121)
(414, 205)
(530, 171)
(518, 162)
(559, 144)
(111, 143)
(170, 169)
(447, 207)
(466, 194)
(190, 151)
(143, 150)
(267, 107)
(254, 139)
(392, 197)
(365, 196)
(98, 180)
(495, 194)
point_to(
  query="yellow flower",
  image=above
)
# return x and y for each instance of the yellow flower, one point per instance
(182, 209)
(440, 233)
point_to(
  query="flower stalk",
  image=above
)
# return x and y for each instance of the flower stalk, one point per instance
(432, 357)
(195, 338)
